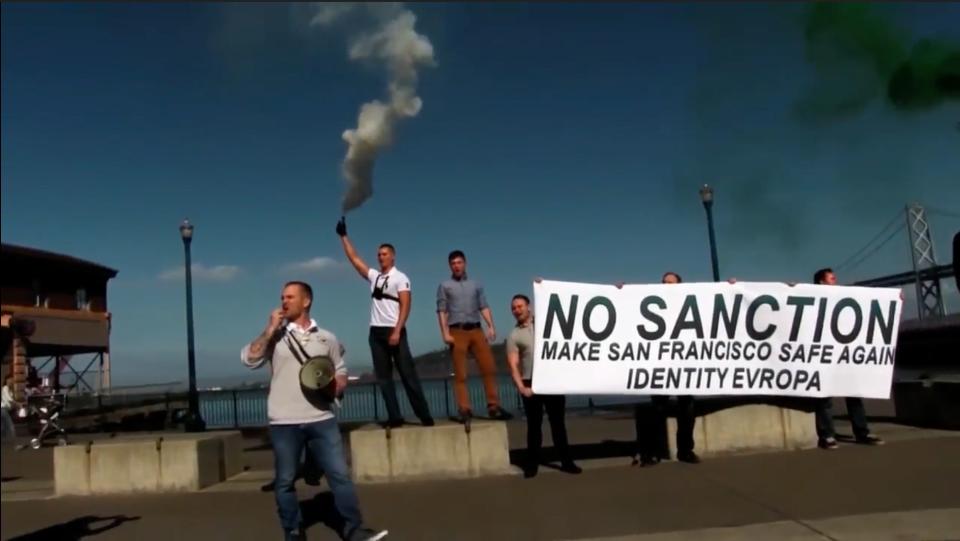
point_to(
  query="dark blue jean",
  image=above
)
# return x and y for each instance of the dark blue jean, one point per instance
(385, 357)
(322, 440)
(855, 410)
(651, 425)
(9, 430)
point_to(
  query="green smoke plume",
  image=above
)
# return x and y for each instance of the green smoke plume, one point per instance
(859, 56)
(930, 76)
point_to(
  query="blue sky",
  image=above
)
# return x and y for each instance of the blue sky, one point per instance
(566, 141)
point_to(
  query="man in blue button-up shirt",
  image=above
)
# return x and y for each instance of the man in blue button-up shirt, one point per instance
(460, 306)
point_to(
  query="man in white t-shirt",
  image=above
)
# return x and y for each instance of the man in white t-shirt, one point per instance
(390, 291)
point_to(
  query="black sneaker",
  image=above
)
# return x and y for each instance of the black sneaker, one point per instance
(295, 535)
(463, 417)
(645, 460)
(366, 534)
(827, 443)
(427, 422)
(268, 487)
(395, 423)
(869, 440)
(530, 471)
(570, 467)
(500, 414)
(689, 457)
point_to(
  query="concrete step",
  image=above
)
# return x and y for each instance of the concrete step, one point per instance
(148, 463)
(444, 451)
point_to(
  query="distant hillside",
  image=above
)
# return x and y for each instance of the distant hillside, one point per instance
(439, 363)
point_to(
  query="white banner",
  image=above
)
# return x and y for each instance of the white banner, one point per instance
(747, 338)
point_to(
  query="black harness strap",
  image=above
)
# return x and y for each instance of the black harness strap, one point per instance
(378, 293)
(303, 356)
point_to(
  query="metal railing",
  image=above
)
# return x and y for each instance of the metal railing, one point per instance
(364, 402)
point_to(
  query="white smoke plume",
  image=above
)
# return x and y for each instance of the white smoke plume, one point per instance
(395, 43)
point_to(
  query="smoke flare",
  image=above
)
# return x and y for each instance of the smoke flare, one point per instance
(396, 44)
(860, 56)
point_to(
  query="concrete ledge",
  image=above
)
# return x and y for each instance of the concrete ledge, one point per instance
(799, 429)
(489, 448)
(71, 470)
(189, 464)
(369, 455)
(232, 454)
(749, 428)
(443, 451)
(160, 463)
(931, 403)
(132, 466)
(418, 452)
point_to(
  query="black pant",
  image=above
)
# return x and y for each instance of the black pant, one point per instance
(651, 426)
(556, 406)
(856, 411)
(385, 357)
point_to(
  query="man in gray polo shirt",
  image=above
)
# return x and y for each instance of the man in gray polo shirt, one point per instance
(520, 358)
(460, 305)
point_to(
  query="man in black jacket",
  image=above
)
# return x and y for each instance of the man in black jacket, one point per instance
(651, 422)
(826, 438)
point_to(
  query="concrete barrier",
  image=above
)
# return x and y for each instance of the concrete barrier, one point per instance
(931, 402)
(749, 428)
(443, 451)
(72, 476)
(157, 463)
(489, 449)
(369, 455)
(189, 464)
(130, 466)
(232, 464)
(799, 429)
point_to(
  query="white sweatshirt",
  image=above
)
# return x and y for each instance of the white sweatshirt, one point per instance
(286, 404)
(7, 398)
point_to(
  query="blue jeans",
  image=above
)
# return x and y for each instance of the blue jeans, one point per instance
(855, 410)
(322, 440)
(9, 431)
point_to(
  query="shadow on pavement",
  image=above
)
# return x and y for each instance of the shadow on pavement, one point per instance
(76, 529)
(583, 451)
(321, 509)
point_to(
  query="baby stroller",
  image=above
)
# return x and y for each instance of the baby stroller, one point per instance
(47, 410)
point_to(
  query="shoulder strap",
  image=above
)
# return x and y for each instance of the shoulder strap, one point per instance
(378, 293)
(291, 339)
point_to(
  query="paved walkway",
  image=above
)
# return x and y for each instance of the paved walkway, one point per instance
(929, 525)
(906, 488)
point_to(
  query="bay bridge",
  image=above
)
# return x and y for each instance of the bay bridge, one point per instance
(926, 272)
(927, 368)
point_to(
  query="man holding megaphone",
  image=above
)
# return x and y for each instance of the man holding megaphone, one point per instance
(307, 375)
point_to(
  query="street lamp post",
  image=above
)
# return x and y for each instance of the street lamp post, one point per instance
(193, 422)
(706, 195)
